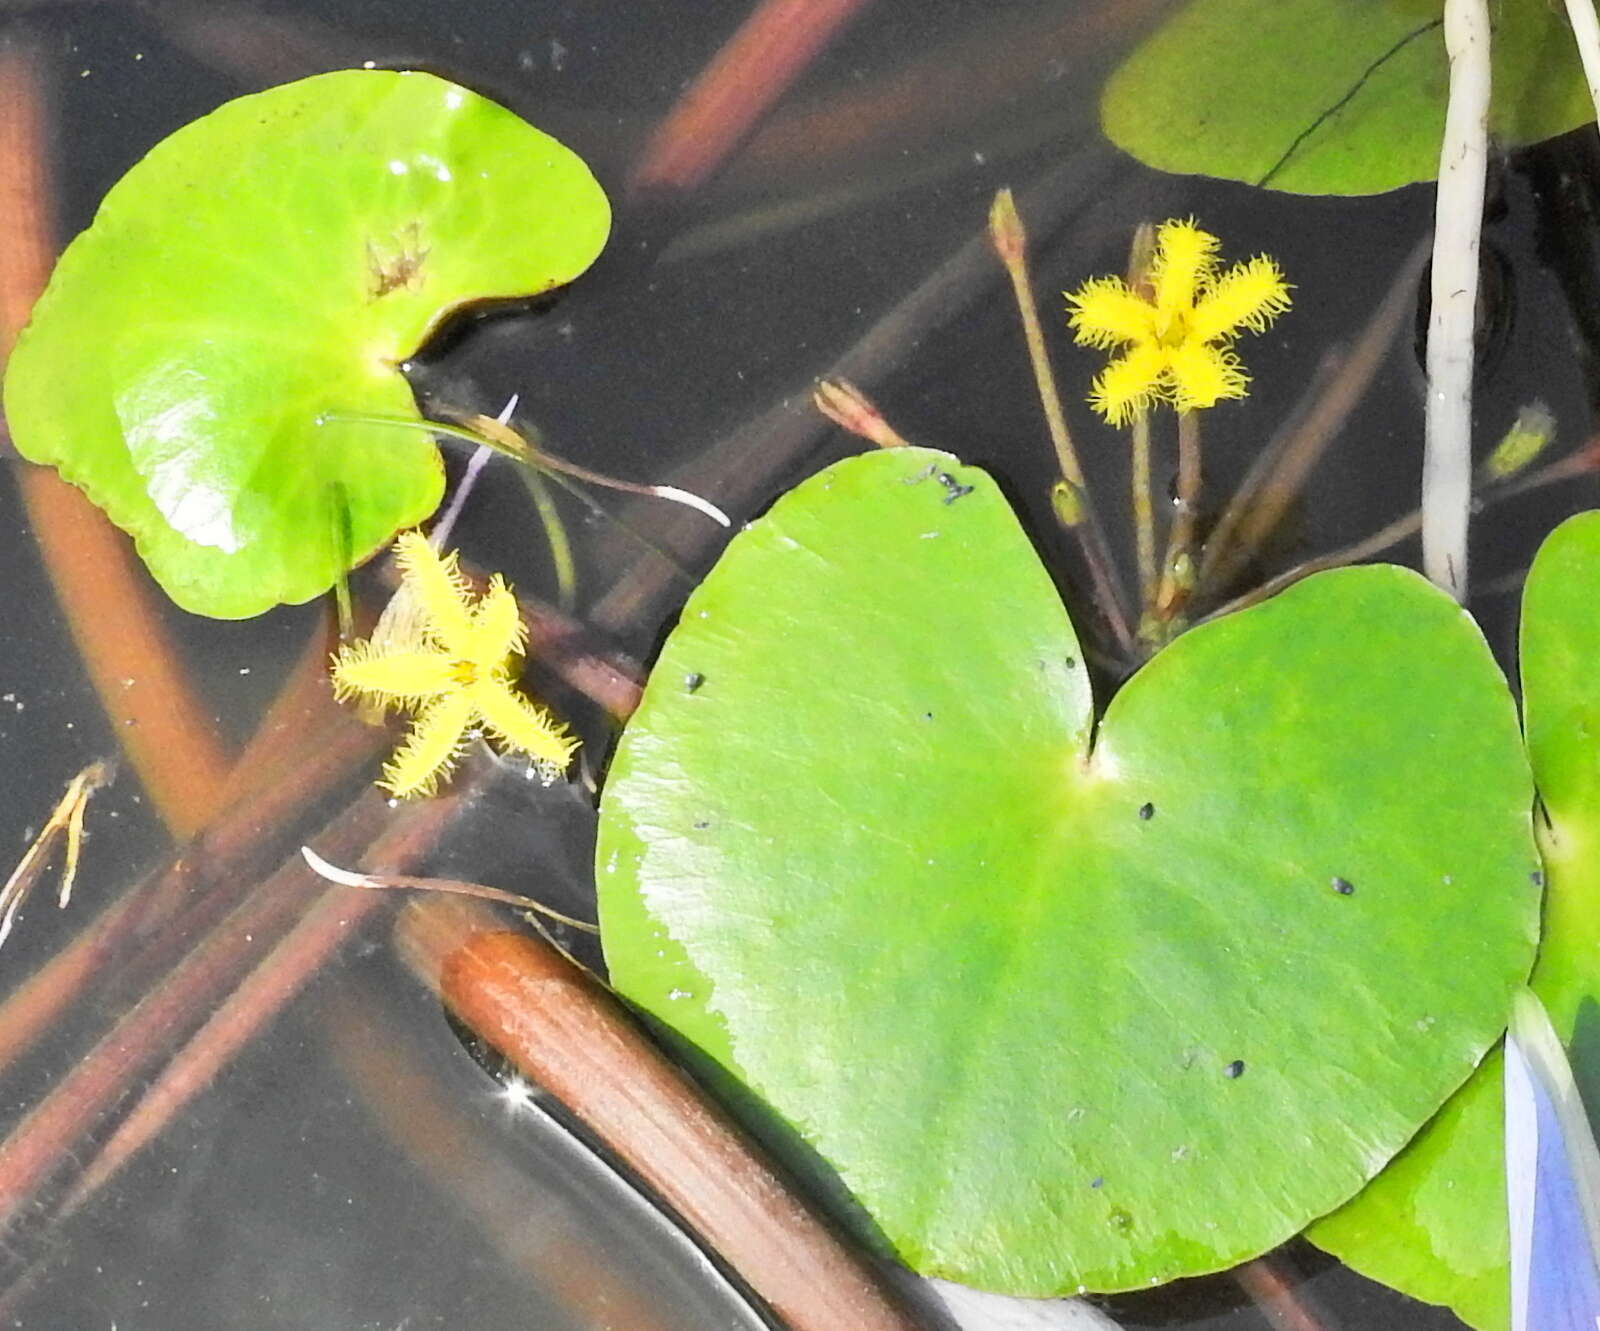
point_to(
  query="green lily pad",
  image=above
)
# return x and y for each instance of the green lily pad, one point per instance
(1064, 1007)
(277, 260)
(1322, 97)
(1434, 1223)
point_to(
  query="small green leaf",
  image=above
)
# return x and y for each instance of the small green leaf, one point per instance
(274, 261)
(1064, 1011)
(1434, 1223)
(1330, 96)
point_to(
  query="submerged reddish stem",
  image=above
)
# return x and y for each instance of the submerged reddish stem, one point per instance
(567, 1033)
(745, 79)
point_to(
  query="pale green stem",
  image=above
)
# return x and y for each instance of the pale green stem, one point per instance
(1177, 570)
(1144, 524)
(555, 535)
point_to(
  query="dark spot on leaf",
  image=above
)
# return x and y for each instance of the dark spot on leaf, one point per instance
(1072, 663)
(953, 489)
(693, 680)
(1343, 886)
(396, 264)
(1097, 1183)
(1147, 812)
(702, 824)
(927, 716)
(1537, 877)
(1234, 1070)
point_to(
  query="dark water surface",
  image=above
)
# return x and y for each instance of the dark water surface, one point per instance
(356, 1168)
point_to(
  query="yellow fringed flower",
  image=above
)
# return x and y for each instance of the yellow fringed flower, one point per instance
(1179, 339)
(453, 666)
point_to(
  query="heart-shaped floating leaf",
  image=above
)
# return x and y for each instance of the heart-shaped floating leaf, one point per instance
(1065, 1012)
(274, 261)
(1319, 97)
(1434, 1223)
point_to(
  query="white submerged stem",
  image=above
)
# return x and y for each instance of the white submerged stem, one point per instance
(1586, 29)
(1458, 220)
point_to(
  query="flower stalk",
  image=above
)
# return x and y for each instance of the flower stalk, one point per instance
(1173, 322)
(1010, 241)
(1178, 569)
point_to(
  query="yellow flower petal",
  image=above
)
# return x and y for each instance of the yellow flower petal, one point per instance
(1106, 314)
(1129, 384)
(1250, 295)
(1202, 375)
(497, 629)
(1185, 260)
(432, 747)
(440, 589)
(390, 677)
(450, 656)
(522, 725)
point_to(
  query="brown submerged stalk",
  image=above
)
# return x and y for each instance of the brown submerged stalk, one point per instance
(109, 603)
(568, 1035)
(156, 918)
(320, 928)
(1582, 461)
(1270, 1283)
(51, 1133)
(1010, 239)
(537, 1229)
(738, 468)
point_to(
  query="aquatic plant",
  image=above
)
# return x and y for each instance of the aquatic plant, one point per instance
(451, 661)
(1178, 338)
(1304, 96)
(865, 805)
(326, 228)
(954, 487)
